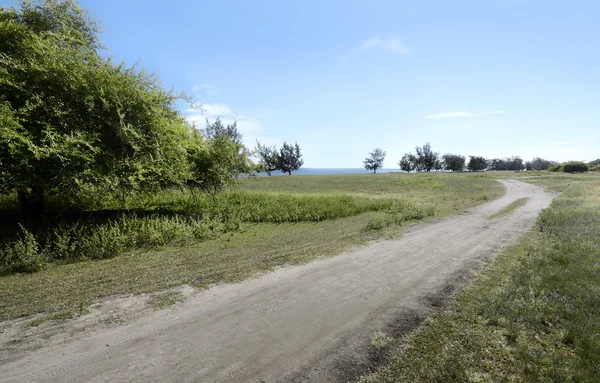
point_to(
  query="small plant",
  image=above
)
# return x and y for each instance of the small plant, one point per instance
(22, 256)
(380, 340)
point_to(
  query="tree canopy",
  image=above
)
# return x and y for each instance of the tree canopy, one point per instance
(72, 118)
(375, 160)
(289, 158)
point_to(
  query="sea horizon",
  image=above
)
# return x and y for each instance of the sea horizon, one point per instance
(329, 171)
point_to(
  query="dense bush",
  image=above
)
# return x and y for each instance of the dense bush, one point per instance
(575, 167)
(555, 168)
(570, 167)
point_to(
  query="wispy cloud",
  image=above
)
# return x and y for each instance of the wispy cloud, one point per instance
(251, 125)
(460, 114)
(392, 45)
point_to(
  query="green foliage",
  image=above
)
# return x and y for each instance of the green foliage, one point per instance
(477, 164)
(454, 162)
(555, 168)
(570, 167)
(425, 158)
(22, 255)
(375, 160)
(218, 158)
(408, 162)
(289, 158)
(267, 158)
(509, 163)
(575, 167)
(594, 163)
(72, 118)
(596, 168)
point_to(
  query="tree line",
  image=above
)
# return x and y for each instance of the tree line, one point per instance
(73, 121)
(425, 160)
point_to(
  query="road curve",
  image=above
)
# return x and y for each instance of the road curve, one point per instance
(301, 323)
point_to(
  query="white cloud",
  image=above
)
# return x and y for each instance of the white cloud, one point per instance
(395, 46)
(460, 114)
(251, 125)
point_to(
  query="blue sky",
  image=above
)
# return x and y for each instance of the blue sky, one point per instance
(491, 78)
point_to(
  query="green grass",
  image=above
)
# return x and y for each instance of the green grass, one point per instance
(254, 247)
(510, 208)
(532, 316)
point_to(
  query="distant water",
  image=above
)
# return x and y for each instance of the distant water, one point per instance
(329, 171)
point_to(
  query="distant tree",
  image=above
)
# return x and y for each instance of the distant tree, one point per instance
(425, 157)
(289, 158)
(454, 162)
(408, 162)
(539, 164)
(528, 165)
(497, 164)
(375, 160)
(514, 163)
(439, 164)
(238, 155)
(477, 164)
(594, 163)
(267, 157)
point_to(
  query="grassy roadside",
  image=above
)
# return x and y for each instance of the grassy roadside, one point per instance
(253, 249)
(532, 316)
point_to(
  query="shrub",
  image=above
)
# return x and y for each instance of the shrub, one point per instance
(595, 168)
(575, 167)
(555, 168)
(21, 256)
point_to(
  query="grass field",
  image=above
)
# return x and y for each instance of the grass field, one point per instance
(532, 316)
(351, 210)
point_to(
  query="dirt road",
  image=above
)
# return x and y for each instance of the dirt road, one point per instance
(304, 323)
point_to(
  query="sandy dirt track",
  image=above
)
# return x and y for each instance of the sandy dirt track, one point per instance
(304, 323)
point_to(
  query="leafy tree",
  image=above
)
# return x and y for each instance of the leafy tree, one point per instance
(454, 162)
(529, 165)
(218, 157)
(71, 117)
(267, 157)
(425, 157)
(540, 164)
(594, 163)
(477, 164)
(497, 164)
(240, 155)
(439, 164)
(408, 162)
(375, 160)
(289, 158)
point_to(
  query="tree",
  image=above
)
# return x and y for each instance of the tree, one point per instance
(289, 158)
(454, 162)
(425, 157)
(439, 165)
(594, 163)
(407, 162)
(239, 154)
(477, 164)
(375, 160)
(539, 163)
(71, 117)
(267, 157)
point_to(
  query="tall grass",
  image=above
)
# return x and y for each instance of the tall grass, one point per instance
(176, 217)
